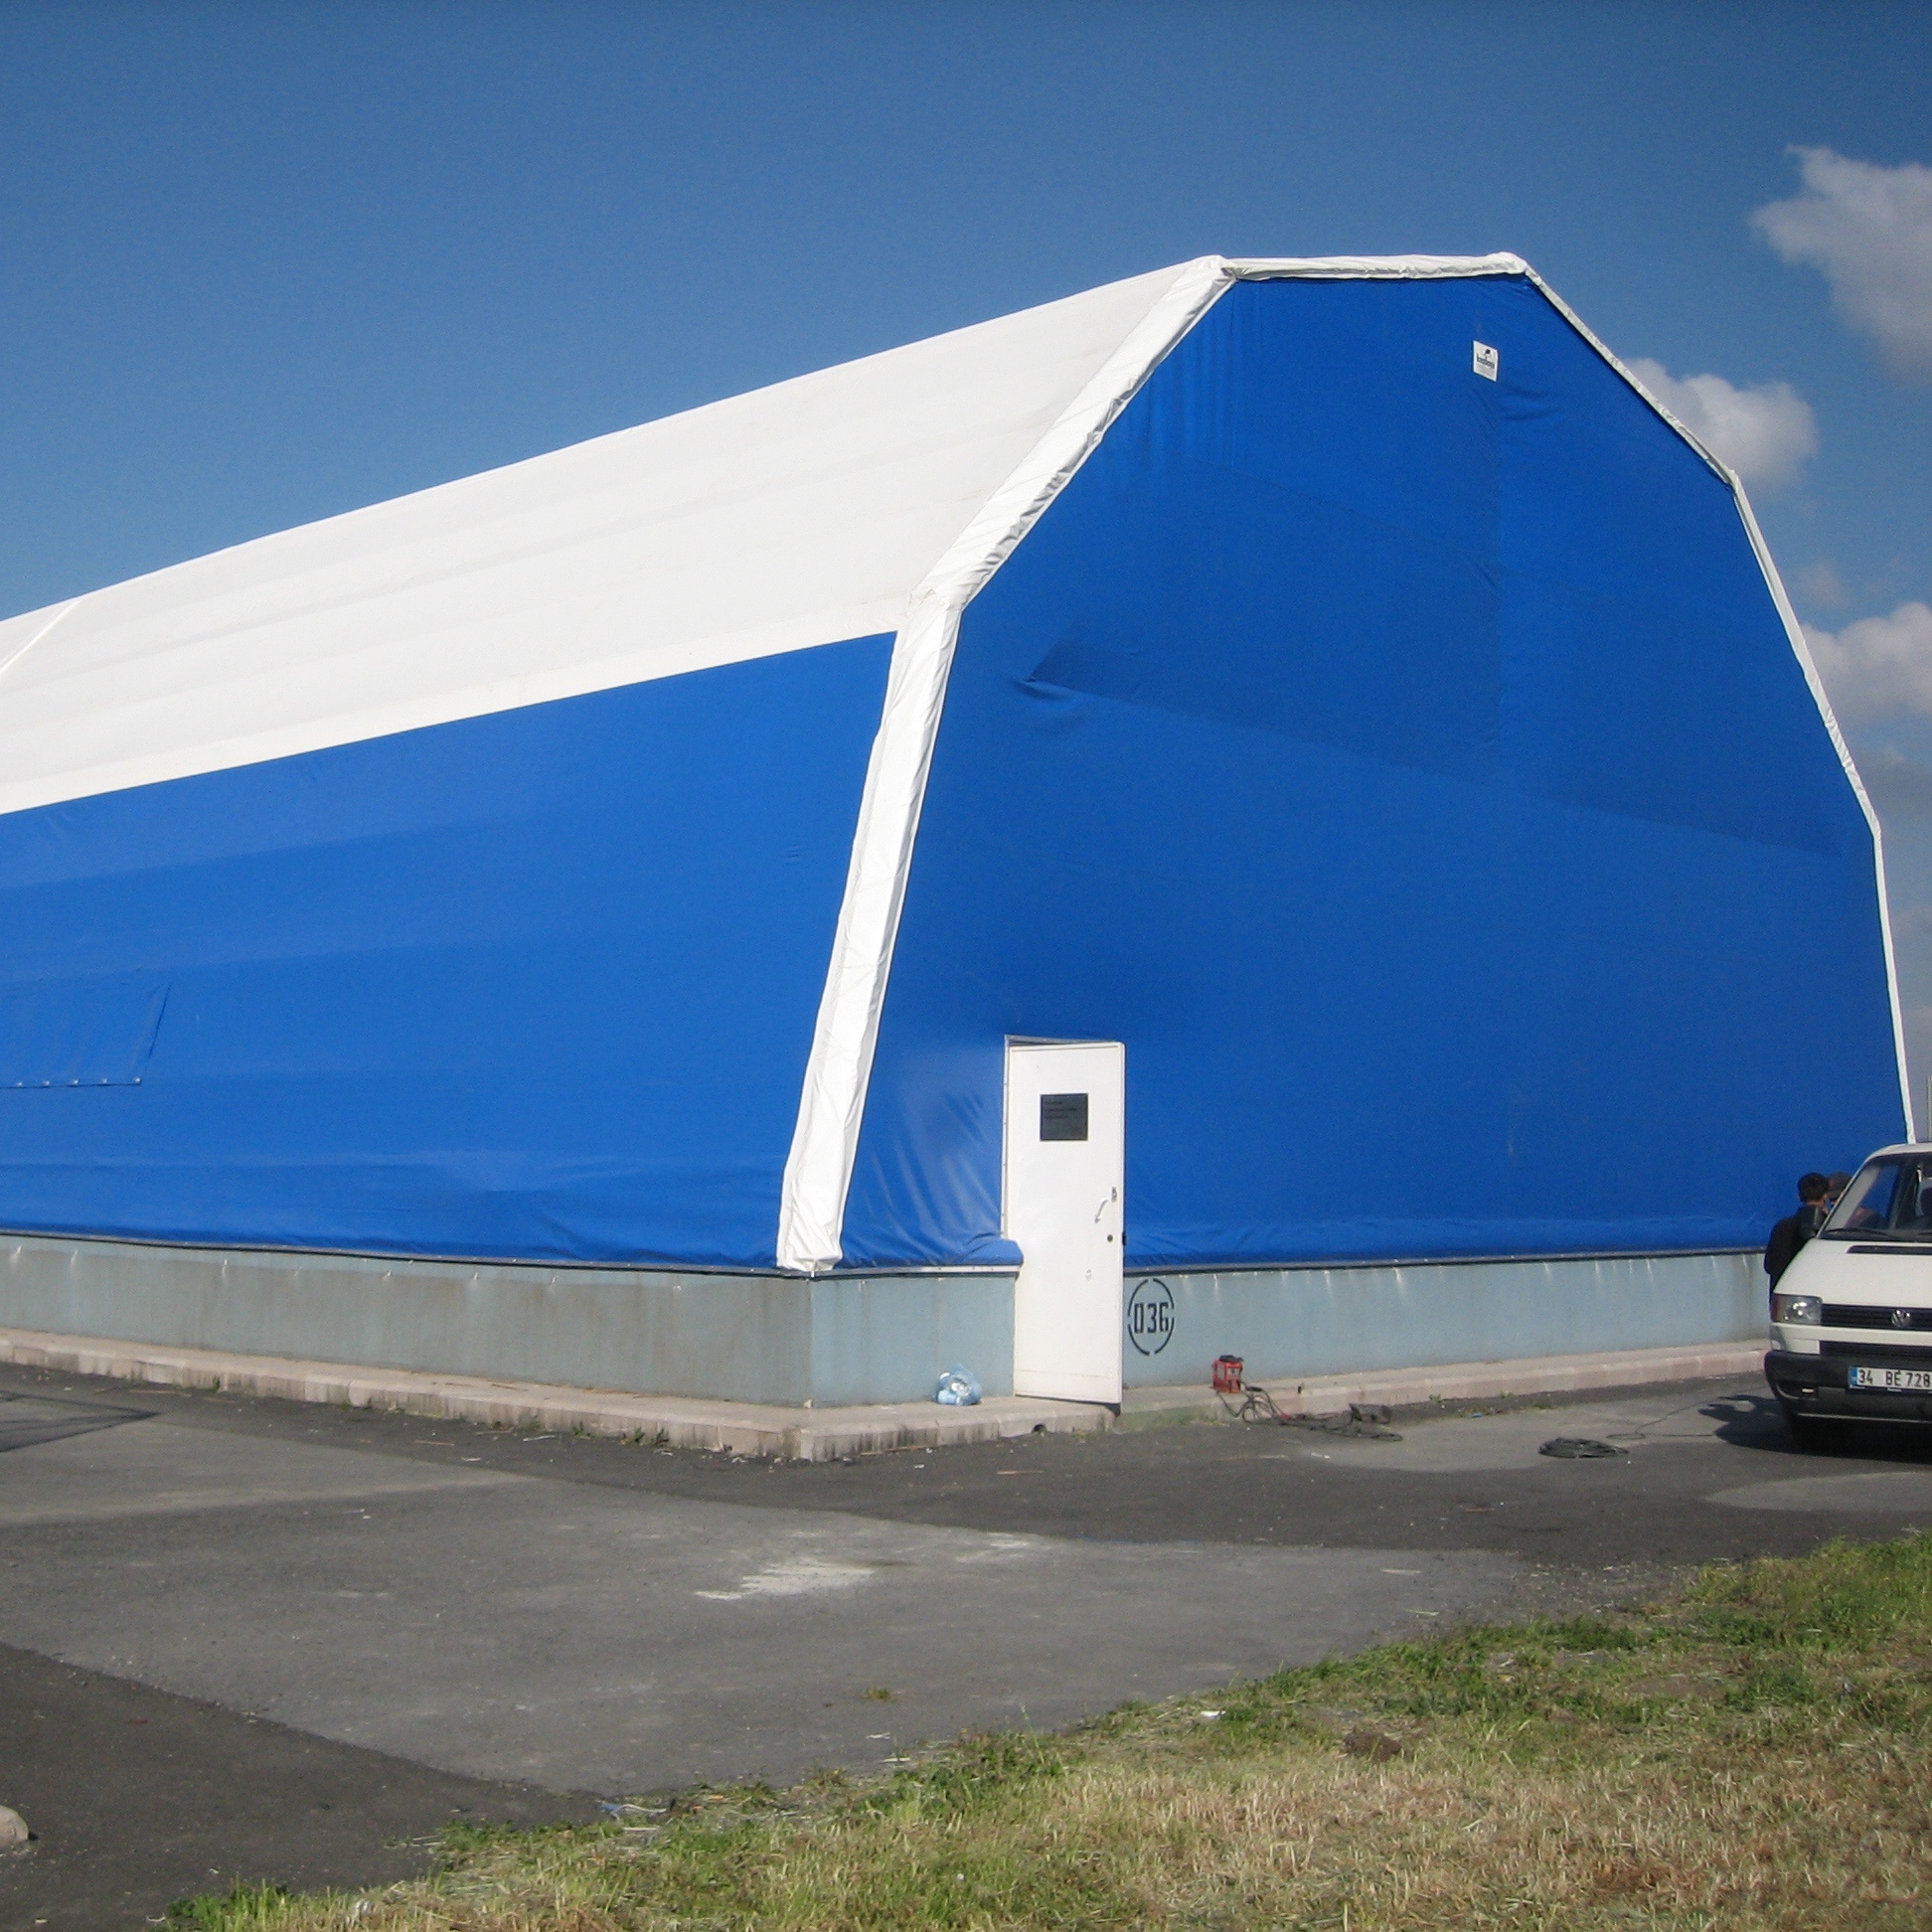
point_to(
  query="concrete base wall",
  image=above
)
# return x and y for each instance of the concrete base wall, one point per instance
(1288, 1323)
(742, 1337)
(852, 1339)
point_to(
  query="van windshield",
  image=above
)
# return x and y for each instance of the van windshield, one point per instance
(1890, 1199)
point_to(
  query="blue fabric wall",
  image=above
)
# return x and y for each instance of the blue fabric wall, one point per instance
(1412, 770)
(534, 984)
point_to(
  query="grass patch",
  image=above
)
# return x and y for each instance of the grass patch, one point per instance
(1754, 1754)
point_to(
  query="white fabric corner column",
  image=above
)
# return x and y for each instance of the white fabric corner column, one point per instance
(818, 1169)
(825, 1142)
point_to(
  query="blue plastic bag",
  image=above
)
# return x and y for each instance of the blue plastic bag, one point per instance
(958, 1389)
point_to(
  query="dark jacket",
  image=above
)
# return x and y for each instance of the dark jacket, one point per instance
(1789, 1236)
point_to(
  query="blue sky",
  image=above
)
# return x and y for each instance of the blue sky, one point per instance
(260, 264)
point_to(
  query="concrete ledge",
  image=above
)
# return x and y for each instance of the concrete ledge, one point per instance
(1460, 1382)
(684, 1421)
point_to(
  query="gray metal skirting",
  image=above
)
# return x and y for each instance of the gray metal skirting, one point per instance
(741, 1337)
(1295, 1322)
(851, 1338)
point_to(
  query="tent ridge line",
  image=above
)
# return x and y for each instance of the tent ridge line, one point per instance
(1375, 267)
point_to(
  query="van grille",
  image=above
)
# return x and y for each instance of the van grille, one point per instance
(1846, 1315)
(1871, 1350)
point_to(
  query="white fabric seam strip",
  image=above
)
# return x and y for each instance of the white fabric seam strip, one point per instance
(1795, 633)
(1376, 267)
(1604, 350)
(825, 1141)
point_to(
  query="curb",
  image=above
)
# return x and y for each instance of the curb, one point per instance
(679, 1421)
(826, 1434)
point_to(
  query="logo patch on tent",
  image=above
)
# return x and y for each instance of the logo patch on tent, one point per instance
(1486, 360)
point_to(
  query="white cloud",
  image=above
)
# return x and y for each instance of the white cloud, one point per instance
(1900, 787)
(1764, 433)
(1869, 229)
(1879, 666)
(1822, 585)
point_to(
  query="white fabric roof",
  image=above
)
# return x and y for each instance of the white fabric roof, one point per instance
(796, 515)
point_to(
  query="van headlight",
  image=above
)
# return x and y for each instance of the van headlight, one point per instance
(1796, 1308)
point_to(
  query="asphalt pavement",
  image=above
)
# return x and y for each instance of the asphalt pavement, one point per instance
(261, 1640)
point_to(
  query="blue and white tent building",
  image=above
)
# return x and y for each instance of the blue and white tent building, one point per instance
(1297, 771)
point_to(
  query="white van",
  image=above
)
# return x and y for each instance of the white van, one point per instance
(1852, 1317)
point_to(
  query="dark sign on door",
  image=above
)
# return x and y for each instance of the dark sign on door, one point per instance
(1064, 1116)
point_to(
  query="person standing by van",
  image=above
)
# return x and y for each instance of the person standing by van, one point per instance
(1795, 1231)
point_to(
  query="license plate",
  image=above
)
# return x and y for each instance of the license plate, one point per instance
(1904, 1381)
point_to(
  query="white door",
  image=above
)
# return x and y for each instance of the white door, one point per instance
(1065, 1169)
